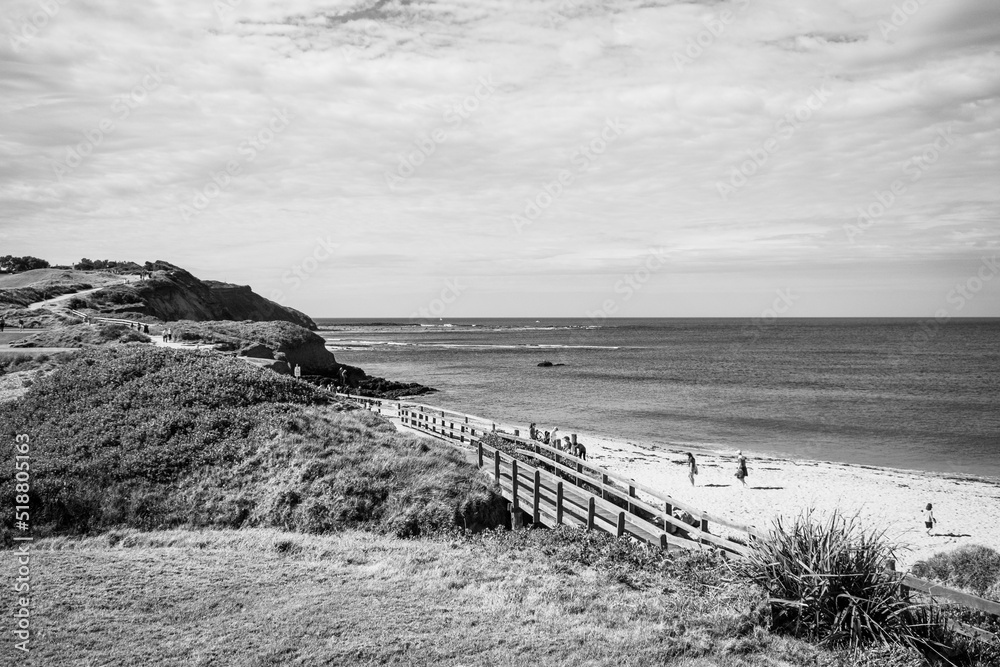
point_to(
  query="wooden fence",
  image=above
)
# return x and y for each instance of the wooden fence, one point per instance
(557, 488)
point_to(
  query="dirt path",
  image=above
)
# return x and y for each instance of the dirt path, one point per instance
(56, 302)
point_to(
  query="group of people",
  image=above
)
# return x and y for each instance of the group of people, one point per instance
(139, 326)
(741, 467)
(552, 439)
(3, 324)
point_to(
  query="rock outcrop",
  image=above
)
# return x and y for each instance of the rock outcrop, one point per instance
(171, 293)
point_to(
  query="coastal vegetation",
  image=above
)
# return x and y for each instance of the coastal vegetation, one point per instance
(153, 438)
(84, 335)
(832, 581)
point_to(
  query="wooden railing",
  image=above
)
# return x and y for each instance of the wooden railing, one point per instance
(558, 488)
(611, 494)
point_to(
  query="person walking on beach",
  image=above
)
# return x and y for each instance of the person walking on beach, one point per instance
(3, 323)
(692, 467)
(741, 467)
(929, 519)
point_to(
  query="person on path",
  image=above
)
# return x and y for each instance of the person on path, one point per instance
(929, 519)
(532, 432)
(741, 467)
(298, 371)
(3, 323)
(554, 439)
(20, 324)
(692, 467)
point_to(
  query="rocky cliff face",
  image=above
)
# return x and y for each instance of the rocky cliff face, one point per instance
(171, 293)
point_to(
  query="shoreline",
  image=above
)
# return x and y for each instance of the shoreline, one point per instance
(967, 508)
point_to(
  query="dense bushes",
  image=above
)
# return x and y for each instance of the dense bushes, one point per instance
(150, 438)
(82, 335)
(973, 568)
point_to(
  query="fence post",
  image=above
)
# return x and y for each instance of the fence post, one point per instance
(517, 433)
(513, 482)
(604, 492)
(704, 529)
(631, 494)
(559, 504)
(496, 465)
(536, 518)
(621, 524)
(663, 542)
(667, 526)
(590, 514)
(572, 437)
(480, 448)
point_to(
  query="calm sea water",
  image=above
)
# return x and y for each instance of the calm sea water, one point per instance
(877, 392)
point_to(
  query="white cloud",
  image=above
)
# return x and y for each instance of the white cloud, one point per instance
(562, 69)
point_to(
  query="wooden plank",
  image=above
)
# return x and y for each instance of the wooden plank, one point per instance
(952, 595)
(559, 503)
(538, 495)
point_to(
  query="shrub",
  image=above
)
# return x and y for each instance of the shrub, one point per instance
(974, 568)
(827, 581)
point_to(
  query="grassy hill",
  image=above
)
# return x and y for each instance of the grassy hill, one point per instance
(151, 438)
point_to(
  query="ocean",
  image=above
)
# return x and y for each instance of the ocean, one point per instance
(909, 394)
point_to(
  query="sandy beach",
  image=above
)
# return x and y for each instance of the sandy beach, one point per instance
(967, 510)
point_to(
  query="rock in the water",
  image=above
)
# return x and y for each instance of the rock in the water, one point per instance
(545, 364)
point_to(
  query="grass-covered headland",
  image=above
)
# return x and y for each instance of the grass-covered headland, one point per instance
(149, 438)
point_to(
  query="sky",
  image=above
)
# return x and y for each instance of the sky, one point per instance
(551, 158)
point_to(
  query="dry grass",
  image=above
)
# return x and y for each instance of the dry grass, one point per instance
(262, 597)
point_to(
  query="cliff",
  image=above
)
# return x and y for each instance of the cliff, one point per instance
(171, 293)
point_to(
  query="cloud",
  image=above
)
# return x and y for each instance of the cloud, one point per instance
(367, 84)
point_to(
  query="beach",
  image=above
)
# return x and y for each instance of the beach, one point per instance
(967, 509)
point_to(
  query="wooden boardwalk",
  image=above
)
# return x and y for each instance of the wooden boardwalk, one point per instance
(549, 487)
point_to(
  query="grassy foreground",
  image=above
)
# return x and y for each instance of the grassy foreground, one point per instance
(262, 597)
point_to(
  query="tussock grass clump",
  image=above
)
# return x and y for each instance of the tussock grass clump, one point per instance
(827, 581)
(150, 438)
